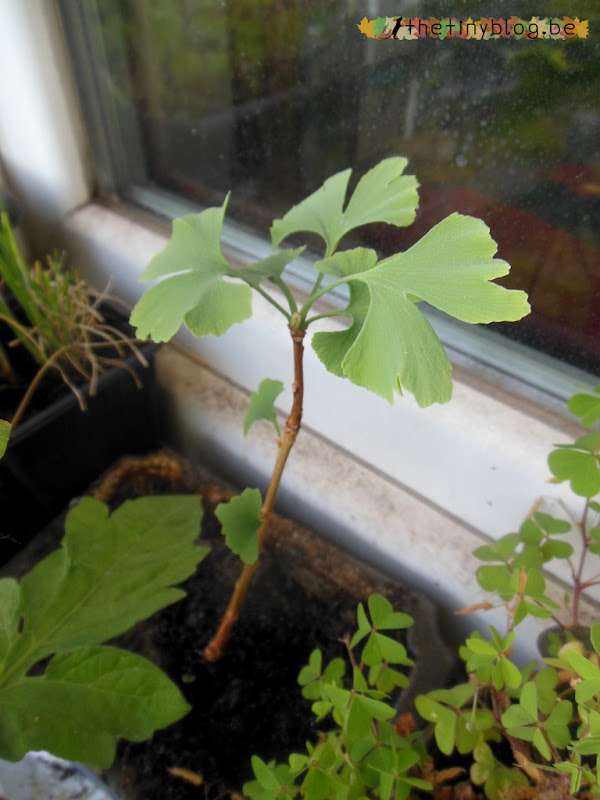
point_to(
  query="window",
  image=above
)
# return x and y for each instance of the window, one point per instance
(196, 97)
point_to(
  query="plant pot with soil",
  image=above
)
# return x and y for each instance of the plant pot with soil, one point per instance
(388, 347)
(64, 350)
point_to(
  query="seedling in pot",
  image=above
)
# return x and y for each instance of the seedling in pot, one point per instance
(547, 717)
(389, 346)
(58, 319)
(520, 732)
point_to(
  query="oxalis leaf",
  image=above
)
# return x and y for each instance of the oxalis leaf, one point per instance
(390, 345)
(383, 194)
(196, 293)
(111, 572)
(240, 521)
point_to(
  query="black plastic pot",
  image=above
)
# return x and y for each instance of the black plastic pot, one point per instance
(52, 457)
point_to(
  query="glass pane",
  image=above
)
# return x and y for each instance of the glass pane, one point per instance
(268, 98)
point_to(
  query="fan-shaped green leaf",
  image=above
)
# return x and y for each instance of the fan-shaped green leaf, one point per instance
(240, 521)
(390, 344)
(383, 194)
(261, 405)
(195, 292)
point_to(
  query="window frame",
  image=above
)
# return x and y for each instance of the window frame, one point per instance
(488, 446)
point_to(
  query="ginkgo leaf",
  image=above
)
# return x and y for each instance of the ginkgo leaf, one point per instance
(240, 521)
(261, 405)
(390, 345)
(196, 293)
(383, 194)
(269, 268)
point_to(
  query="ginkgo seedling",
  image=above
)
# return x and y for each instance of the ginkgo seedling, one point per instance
(389, 345)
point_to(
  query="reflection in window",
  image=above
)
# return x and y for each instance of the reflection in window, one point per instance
(268, 98)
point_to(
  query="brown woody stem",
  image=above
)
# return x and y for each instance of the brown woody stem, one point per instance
(215, 648)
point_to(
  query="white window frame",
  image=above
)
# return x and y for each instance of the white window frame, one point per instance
(419, 489)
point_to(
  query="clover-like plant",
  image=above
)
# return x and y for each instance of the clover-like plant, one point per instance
(61, 688)
(359, 752)
(549, 717)
(388, 347)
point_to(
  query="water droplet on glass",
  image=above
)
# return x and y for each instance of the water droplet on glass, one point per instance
(461, 161)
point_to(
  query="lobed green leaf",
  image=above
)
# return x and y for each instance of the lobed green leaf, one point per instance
(383, 194)
(261, 405)
(240, 520)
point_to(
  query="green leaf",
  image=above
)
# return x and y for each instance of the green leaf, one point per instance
(494, 578)
(10, 614)
(267, 784)
(554, 549)
(111, 572)
(444, 718)
(4, 436)
(195, 294)
(85, 700)
(501, 550)
(557, 724)
(553, 526)
(383, 615)
(269, 268)
(595, 636)
(586, 406)
(390, 344)
(382, 195)
(261, 404)
(364, 626)
(578, 463)
(240, 521)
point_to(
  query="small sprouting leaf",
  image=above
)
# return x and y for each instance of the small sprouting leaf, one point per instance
(364, 626)
(390, 345)
(267, 785)
(444, 718)
(494, 578)
(586, 406)
(383, 615)
(590, 685)
(383, 194)
(501, 550)
(4, 436)
(557, 724)
(240, 521)
(312, 671)
(552, 526)
(578, 463)
(194, 292)
(556, 549)
(261, 405)
(530, 533)
(269, 268)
